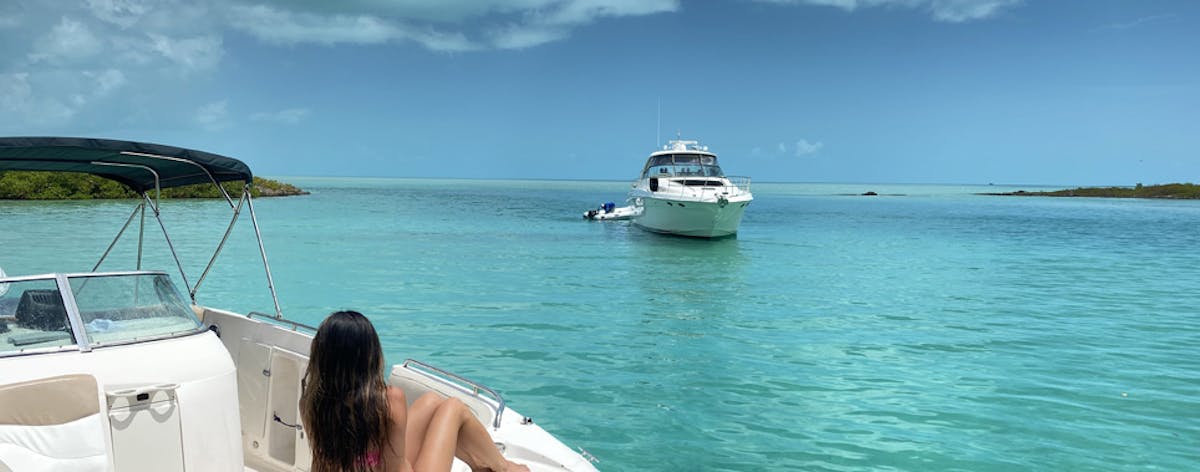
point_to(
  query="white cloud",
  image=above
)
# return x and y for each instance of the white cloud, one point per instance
(52, 99)
(950, 11)
(439, 41)
(191, 54)
(804, 148)
(579, 12)
(18, 98)
(213, 116)
(288, 116)
(525, 36)
(68, 41)
(1138, 22)
(123, 13)
(508, 25)
(554, 22)
(958, 11)
(280, 26)
(63, 57)
(106, 81)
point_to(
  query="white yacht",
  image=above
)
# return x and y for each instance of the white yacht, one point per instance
(121, 371)
(683, 191)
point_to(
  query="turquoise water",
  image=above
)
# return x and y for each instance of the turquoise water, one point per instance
(926, 329)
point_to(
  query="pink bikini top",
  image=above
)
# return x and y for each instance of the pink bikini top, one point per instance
(371, 459)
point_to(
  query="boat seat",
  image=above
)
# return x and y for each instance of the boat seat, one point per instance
(52, 423)
(42, 309)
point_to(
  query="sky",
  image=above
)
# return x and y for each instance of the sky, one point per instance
(1084, 92)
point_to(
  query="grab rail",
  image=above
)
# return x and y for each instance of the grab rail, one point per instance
(295, 324)
(475, 387)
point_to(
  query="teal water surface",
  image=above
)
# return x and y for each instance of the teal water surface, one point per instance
(928, 328)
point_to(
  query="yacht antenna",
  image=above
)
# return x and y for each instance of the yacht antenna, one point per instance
(658, 129)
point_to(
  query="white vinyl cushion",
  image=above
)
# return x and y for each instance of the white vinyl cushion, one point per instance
(74, 446)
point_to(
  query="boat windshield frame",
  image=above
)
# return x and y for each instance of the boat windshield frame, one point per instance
(79, 331)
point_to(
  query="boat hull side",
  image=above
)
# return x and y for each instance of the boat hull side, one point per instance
(691, 218)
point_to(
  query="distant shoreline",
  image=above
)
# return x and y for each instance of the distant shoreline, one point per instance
(1185, 191)
(23, 185)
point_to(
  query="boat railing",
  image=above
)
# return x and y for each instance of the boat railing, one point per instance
(460, 382)
(740, 181)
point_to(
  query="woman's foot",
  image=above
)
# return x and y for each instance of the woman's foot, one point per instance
(515, 467)
(509, 466)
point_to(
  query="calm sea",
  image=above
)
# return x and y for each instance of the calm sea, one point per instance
(924, 329)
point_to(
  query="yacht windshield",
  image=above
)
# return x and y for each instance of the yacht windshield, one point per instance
(682, 165)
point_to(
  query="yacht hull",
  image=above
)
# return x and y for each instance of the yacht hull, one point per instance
(699, 219)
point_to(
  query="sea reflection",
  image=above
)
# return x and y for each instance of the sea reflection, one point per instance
(687, 277)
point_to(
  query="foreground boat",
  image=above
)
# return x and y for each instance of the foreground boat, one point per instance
(120, 371)
(682, 191)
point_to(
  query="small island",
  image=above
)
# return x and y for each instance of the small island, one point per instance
(1185, 191)
(25, 185)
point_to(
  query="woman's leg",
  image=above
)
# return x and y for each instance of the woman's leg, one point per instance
(453, 430)
(419, 414)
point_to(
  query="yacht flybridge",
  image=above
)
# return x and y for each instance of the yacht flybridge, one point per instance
(683, 191)
(119, 371)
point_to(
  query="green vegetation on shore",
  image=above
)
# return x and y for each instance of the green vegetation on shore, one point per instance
(1171, 191)
(20, 185)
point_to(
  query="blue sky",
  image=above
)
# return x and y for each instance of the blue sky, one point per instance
(906, 91)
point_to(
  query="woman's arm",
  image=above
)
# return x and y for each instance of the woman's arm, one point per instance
(393, 455)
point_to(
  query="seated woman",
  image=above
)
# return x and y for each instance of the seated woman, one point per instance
(357, 423)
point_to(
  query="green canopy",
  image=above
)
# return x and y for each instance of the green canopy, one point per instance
(175, 166)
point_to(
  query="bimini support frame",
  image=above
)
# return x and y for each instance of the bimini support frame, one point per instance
(237, 210)
(262, 250)
(246, 199)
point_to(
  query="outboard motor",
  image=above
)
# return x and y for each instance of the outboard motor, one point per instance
(654, 184)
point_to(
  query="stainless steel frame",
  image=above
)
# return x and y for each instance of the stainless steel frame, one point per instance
(81, 343)
(450, 378)
(246, 199)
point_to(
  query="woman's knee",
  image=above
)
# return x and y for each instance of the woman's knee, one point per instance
(429, 400)
(453, 406)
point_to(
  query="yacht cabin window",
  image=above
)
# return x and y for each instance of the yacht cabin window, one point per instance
(682, 165)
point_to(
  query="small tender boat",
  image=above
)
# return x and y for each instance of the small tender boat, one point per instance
(610, 211)
(119, 371)
(682, 191)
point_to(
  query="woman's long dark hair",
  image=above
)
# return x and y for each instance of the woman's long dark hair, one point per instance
(344, 400)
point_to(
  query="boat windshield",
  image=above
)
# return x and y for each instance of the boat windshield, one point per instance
(113, 308)
(682, 165)
(32, 316)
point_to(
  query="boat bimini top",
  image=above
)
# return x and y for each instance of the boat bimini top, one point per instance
(143, 167)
